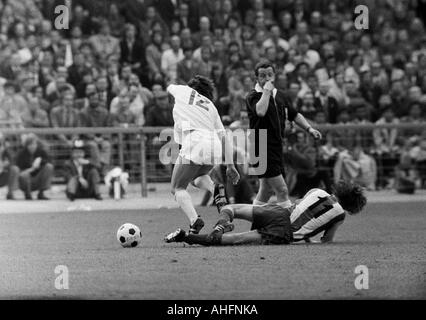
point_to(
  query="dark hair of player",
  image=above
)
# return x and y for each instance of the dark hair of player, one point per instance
(263, 65)
(350, 196)
(202, 85)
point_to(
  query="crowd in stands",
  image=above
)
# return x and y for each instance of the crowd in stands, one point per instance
(112, 65)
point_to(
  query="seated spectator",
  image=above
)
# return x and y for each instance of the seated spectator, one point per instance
(154, 53)
(131, 48)
(137, 105)
(307, 106)
(406, 175)
(36, 117)
(36, 171)
(37, 92)
(123, 117)
(171, 58)
(144, 93)
(418, 156)
(204, 65)
(87, 79)
(65, 116)
(83, 102)
(275, 39)
(61, 76)
(386, 148)
(9, 173)
(104, 92)
(161, 113)
(405, 179)
(185, 70)
(356, 166)
(307, 55)
(82, 178)
(95, 116)
(301, 157)
(325, 102)
(13, 106)
(104, 44)
(415, 117)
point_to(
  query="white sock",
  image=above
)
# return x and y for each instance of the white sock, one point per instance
(185, 203)
(205, 183)
(285, 204)
(258, 202)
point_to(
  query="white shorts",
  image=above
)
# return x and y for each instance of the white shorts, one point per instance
(202, 149)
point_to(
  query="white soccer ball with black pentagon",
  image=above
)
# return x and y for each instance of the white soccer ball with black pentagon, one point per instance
(129, 235)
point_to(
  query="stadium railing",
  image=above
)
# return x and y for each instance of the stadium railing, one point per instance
(136, 149)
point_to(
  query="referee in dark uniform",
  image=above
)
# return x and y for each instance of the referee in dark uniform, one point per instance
(268, 109)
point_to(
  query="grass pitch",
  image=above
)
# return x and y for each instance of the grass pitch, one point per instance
(389, 239)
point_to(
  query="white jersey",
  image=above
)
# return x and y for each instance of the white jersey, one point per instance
(192, 111)
(318, 211)
(197, 125)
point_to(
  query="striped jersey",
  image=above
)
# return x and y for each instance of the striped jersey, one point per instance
(318, 211)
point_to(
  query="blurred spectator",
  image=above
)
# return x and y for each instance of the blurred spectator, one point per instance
(65, 116)
(9, 173)
(13, 106)
(204, 65)
(131, 49)
(325, 102)
(95, 116)
(170, 59)
(36, 117)
(386, 149)
(301, 157)
(82, 178)
(418, 156)
(123, 116)
(104, 44)
(104, 91)
(307, 106)
(161, 113)
(355, 165)
(36, 171)
(185, 68)
(154, 53)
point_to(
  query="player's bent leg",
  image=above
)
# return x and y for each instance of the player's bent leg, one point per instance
(280, 188)
(249, 237)
(182, 175)
(239, 211)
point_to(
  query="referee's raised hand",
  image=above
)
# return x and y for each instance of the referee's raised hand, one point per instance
(315, 133)
(269, 86)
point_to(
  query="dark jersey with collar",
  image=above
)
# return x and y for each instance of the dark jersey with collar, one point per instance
(279, 110)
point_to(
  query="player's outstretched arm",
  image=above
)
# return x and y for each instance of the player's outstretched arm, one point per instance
(301, 121)
(330, 233)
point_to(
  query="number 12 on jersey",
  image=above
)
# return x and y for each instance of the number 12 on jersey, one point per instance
(199, 102)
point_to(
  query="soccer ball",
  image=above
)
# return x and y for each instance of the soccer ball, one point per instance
(129, 235)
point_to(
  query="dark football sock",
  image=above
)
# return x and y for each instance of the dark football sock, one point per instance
(203, 239)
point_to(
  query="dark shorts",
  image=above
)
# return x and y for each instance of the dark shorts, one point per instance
(275, 164)
(273, 223)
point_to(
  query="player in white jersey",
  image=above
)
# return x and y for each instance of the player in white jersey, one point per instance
(199, 131)
(317, 212)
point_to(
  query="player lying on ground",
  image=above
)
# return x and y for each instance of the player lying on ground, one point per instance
(200, 132)
(317, 212)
